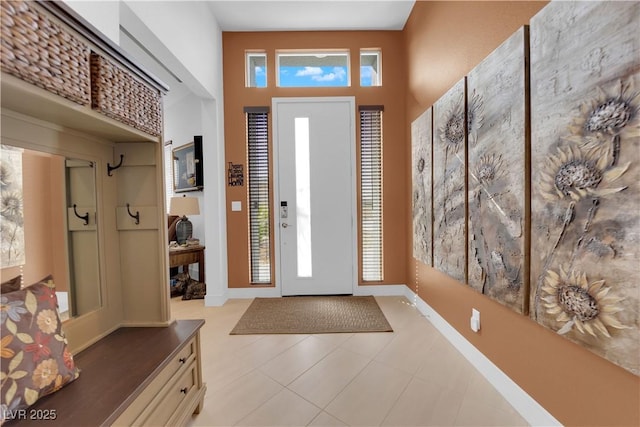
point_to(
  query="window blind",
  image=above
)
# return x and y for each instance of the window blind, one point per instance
(257, 130)
(371, 192)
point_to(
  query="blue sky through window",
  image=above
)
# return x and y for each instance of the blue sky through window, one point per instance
(261, 77)
(297, 76)
(366, 76)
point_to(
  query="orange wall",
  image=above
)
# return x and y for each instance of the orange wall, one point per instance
(236, 96)
(444, 41)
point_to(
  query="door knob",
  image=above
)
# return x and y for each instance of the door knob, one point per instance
(285, 225)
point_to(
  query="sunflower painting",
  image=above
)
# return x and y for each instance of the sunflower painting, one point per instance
(11, 213)
(421, 143)
(585, 166)
(449, 187)
(498, 174)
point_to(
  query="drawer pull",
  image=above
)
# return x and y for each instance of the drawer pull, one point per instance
(182, 360)
(183, 390)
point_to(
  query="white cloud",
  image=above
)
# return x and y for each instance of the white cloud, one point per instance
(309, 71)
(338, 74)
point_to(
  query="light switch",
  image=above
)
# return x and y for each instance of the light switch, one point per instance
(236, 206)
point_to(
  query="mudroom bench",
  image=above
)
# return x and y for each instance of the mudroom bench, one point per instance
(133, 376)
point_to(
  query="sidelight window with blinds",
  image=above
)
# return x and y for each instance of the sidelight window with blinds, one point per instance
(257, 131)
(371, 192)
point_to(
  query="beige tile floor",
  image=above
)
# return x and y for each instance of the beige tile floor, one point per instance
(411, 377)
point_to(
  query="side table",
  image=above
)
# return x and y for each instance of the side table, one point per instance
(185, 255)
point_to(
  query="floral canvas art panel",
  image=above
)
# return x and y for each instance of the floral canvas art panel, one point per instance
(449, 187)
(585, 207)
(498, 174)
(421, 152)
(11, 208)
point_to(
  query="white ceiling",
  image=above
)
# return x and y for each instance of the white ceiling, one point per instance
(310, 15)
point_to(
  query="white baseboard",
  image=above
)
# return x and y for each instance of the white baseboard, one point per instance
(380, 290)
(257, 292)
(215, 300)
(528, 408)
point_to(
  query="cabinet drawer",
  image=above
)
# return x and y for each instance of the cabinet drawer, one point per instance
(142, 405)
(184, 259)
(178, 392)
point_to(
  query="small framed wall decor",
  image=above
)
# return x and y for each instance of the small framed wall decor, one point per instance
(187, 167)
(235, 175)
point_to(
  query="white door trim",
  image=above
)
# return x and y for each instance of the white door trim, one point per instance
(276, 189)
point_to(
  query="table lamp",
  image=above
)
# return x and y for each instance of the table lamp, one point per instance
(183, 206)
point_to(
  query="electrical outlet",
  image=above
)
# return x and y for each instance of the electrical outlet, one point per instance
(475, 320)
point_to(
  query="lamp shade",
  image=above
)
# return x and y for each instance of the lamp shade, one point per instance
(183, 206)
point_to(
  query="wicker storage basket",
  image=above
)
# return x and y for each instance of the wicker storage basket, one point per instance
(42, 52)
(117, 94)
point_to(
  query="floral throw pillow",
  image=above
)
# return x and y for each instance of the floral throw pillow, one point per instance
(35, 359)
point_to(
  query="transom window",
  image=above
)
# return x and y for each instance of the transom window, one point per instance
(370, 67)
(256, 72)
(313, 68)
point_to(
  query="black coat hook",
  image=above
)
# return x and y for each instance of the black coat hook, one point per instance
(112, 168)
(136, 216)
(84, 217)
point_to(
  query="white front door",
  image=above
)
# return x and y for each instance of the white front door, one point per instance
(314, 143)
